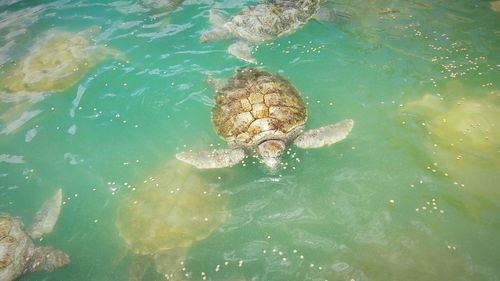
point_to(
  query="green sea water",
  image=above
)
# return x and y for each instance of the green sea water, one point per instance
(402, 198)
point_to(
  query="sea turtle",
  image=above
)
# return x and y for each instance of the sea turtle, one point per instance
(466, 126)
(461, 137)
(265, 21)
(18, 254)
(259, 113)
(495, 5)
(56, 62)
(166, 214)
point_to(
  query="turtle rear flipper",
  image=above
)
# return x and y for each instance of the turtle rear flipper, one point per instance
(324, 136)
(219, 158)
(242, 51)
(48, 259)
(47, 216)
(219, 31)
(170, 262)
(215, 34)
(216, 83)
(138, 267)
(215, 16)
(330, 14)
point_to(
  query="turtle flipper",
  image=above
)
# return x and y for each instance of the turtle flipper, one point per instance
(216, 83)
(242, 51)
(330, 14)
(215, 16)
(219, 158)
(219, 31)
(138, 267)
(47, 216)
(326, 135)
(170, 262)
(48, 259)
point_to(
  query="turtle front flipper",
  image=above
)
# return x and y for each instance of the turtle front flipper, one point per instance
(48, 259)
(219, 158)
(324, 136)
(47, 216)
(242, 51)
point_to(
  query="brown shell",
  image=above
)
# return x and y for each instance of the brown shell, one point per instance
(16, 247)
(256, 105)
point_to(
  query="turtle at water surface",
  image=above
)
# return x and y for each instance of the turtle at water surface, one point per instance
(163, 217)
(259, 113)
(18, 254)
(265, 21)
(57, 61)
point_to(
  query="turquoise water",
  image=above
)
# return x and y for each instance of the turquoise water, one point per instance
(390, 202)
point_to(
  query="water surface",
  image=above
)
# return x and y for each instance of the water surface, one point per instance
(391, 202)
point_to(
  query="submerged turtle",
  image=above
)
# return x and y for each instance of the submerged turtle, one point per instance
(259, 113)
(495, 5)
(466, 126)
(18, 254)
(57, 62)
(162, 218)
(462, 137)
(265, 21)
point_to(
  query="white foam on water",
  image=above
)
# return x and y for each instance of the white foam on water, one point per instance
(11, 159)
(30, 134)
(19, 122)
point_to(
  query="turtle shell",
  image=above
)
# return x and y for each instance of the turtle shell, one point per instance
(57, 62)
(16, 247)
(256, 105)
(172, 209)
(272, 19)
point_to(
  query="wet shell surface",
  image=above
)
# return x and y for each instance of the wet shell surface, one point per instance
(173, 209)
(15, 247)
(57, 61)
(256, 105)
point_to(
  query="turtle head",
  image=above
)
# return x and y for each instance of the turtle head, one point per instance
(270, 152)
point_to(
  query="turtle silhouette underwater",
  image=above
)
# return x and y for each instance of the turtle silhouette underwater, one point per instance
(18, 254)
(259, 113)
(461, 137)
(57, 61)
(162, 218)
(265, 21)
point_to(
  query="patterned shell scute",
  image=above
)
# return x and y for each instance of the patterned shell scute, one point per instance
(256, 105)
(15, 246)
(7, 242)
